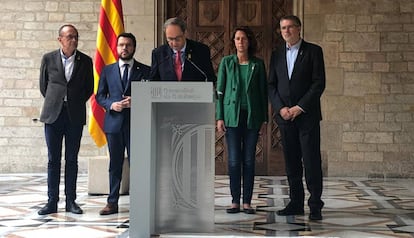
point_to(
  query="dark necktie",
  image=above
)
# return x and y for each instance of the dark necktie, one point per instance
(125, 76)
(178, 65)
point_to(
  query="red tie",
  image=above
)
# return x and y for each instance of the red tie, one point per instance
(178, 66)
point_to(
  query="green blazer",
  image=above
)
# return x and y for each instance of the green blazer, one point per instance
(229, 90)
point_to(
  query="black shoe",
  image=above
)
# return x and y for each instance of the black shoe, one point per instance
(315, 215)
(48, 209)
(72, 207)
(249, 210)
(233, 210)
(290, 210)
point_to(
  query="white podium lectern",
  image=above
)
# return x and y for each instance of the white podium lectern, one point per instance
(172, 158)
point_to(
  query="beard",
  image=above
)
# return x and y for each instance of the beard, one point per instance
(127, 56)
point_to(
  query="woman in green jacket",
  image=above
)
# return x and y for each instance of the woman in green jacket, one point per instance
(241, 113)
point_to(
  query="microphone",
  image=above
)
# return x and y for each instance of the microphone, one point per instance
(202, 72)
(154, 69)
(198, 68)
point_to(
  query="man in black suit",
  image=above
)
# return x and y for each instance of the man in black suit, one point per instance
(296, 83)
(66, 83)
(114, 94)
(181, 59)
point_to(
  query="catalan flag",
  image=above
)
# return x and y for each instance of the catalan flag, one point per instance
(111, 24)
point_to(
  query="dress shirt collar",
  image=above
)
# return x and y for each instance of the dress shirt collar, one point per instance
(122, 62)
(295, 46)
(64, 57)
(182, 49)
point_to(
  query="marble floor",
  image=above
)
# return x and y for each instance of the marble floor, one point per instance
(354, 207)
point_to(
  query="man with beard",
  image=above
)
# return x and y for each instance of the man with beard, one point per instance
(114, 95)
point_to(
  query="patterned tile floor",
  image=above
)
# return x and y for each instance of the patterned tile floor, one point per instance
(354, 207)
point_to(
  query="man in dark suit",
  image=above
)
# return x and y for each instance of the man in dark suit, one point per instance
(114, 95)
(66, 83)
(296, 83)
(181, 59)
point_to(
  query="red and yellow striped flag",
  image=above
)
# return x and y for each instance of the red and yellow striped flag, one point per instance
(111, 24)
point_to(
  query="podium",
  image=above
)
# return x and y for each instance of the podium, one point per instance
(172, 158)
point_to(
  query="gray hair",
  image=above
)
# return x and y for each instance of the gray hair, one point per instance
(177, 22)
(293, 18)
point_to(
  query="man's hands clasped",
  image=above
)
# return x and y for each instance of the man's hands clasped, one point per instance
(289, 114)
(120, 105)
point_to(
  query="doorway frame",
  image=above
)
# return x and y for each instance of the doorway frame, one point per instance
(160, 16)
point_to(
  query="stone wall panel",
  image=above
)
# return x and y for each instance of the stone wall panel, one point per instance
(28, 30)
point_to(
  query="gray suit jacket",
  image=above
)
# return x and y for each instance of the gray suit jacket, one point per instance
(54, 87)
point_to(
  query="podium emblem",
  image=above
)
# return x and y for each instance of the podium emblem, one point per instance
(156, 92)
(188, 147)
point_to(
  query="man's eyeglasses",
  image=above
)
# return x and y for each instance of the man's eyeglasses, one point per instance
(71, 37)
(177, 38)
(288, 27)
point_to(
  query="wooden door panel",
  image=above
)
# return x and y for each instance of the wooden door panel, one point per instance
(212, 22)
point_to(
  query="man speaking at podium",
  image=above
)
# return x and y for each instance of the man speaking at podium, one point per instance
(181, 59)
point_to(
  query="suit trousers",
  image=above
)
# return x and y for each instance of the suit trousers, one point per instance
(117, 143)
(54, 134)
(301, 149)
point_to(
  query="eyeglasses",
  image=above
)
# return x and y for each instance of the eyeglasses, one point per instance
(177, 38)
(71, 37)
(288, 27)
(122, 45)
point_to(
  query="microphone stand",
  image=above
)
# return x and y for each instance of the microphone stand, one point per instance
(198, 68)
(202, 72)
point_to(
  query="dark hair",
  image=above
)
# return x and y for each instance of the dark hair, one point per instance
(177, 22)
(67, 25)
(250, 36)
(293, 18)
(130, 36)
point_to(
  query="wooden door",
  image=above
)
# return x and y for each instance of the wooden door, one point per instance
(212, 22)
